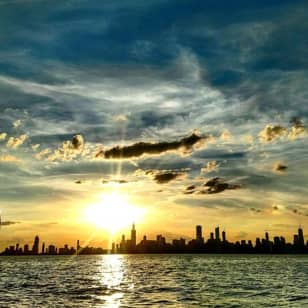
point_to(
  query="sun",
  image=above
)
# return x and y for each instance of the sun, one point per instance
(113, 212)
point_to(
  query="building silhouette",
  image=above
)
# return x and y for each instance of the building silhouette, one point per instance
(217, 234)
(35, 247)
(133, 237)
(199, 237)
(214, 244)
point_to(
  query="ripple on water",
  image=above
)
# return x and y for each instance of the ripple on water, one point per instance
(154, 281)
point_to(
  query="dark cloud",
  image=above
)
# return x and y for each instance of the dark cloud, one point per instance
(212, 182)
(280, 167)
(162, 176)
(184, 145)
(165, 177)
(191, 187)
(212, 186)
(78, 182)
(189, 192)
(217, 185)
(8, 223)
(253, 209)
(121, 181)
(77, 142)
(275, 208)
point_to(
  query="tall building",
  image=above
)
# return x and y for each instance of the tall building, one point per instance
(35, 248)
(295, 240)
(26, 249)
(198, 233)
(223, 236)
(133, 236)
(266, 236)
(43, 248)
(123, 244)
(301, 241)
(217, 234)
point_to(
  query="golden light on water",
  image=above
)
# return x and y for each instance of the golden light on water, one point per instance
(113, 212)
(111, 275)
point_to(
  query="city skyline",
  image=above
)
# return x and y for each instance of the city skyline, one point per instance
(217, 242)
(158, 112)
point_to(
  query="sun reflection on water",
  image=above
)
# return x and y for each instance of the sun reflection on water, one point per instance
(112, 273)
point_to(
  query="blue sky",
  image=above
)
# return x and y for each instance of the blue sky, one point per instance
(117, 73)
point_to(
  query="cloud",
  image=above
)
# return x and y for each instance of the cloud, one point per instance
(211, 166)
(299, 212)
(163, 176)
(272, 132)
(9, 158)
(298, 129)
(212, 186)
(279, 167)
(190, 190)
(217, 185)
(185, 145)
(77, 142)
(104, 181)
(42, 153)
(121, 118)
(17, 123)
(226, 135)
(8, 223)
(70, 149)
(253, 209)
(34, 147)
(15, 142)
(3, 136)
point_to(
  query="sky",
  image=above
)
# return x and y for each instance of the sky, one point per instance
(167, 113)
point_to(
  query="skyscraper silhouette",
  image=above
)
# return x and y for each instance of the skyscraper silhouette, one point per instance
(301, 241)
(223, 236)
(198, 232)
(217, 234)
(35, 247)
(133, 236)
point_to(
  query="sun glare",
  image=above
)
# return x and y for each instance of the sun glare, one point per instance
(113, 212)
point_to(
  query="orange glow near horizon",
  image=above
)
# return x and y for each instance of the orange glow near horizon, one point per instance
(113, 212)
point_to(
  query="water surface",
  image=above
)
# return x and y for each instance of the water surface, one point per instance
(154, 281)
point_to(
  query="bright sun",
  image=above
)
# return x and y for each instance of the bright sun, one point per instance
(113, 212)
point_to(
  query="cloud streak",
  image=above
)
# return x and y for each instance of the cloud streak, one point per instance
(8, 223)
(184, 146)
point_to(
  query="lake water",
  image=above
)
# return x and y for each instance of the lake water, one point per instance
(154, 281)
